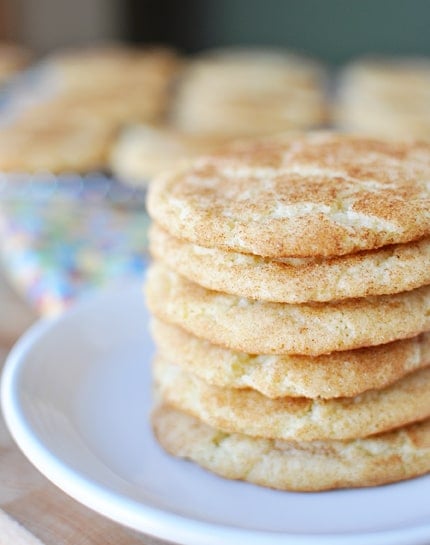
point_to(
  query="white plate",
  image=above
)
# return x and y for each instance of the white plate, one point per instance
(76, 397)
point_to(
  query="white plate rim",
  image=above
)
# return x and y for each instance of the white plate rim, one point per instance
(138, 515)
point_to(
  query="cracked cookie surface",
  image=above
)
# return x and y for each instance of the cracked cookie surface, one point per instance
(302, 466)
(317, 195)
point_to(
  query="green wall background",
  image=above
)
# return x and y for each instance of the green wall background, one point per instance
(335, 30)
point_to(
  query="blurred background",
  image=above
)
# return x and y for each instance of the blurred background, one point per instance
(333, 30)
(97, 97)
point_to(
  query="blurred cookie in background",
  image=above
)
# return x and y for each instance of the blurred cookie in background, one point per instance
(241, 92)
(143, 151)
(133, 80)
(114, 107)
(54, 145)
(65, 119)
(387, 97)
(86, 69)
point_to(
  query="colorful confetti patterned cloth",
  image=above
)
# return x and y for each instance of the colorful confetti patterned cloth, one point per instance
(63, 236)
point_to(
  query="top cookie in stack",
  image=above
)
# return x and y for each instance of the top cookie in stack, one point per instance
(291, 291)
(320, 195)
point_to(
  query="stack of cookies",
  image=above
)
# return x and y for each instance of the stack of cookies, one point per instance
(386, 97)
(290, 294)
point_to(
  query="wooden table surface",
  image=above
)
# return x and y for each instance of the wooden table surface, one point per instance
(32, 510)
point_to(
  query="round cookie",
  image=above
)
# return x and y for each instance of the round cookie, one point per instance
(301, 466)
(108, 107)
(392, 269)
(295, 418)
(237, 118)
(62, 145)
(320, 194)
(83, 71)
(258, 327)
(249, 91)
(387, 97)
(340, 374)
(251, 72)
(143, 151)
